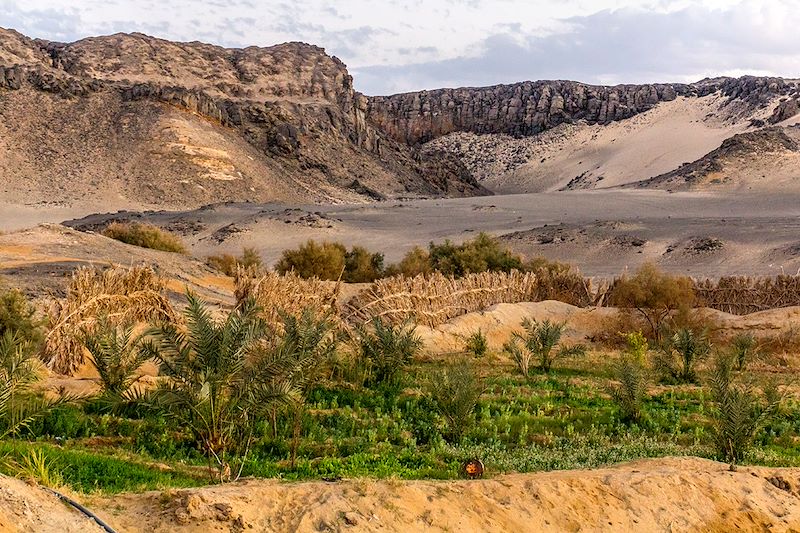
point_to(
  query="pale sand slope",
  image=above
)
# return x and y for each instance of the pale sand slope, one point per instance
(500, 321)
(670, 494)
(643, 146)
(758, 231)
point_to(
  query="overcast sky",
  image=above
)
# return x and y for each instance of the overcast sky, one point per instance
(404, 45)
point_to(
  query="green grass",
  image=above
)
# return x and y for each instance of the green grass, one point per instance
(560, 421)
(89, 471)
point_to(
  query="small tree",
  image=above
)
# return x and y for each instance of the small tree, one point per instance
(678, 357)
(414, 263)
(740, 410)
(456, 390)
(216, 389)
(387, 350)
(744, 349)
(325, 260)
(476, 344)
(654, 295)
(539, 343)
(298, 356)
(631, 373)
(361, 266)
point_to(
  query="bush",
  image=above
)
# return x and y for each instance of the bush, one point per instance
(481, 254)
(144, 236)
(654, 295)
(361, 266)
(476, 344)
(228, 263)
(414, 263)
(539, 342)
(331, 261)
(314, 260)
(455, 390)
(18, 316)
(744, 350)
(386, 350)
(631, 374)
(740, 411)
(678, 357)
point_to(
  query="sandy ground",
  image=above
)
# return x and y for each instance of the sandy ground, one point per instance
(598, 231)
(671, 494)
(28, 508)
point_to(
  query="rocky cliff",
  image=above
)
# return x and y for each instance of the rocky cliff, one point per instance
(207, 108)
(528, 108)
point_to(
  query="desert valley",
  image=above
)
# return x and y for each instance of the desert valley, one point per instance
(237, 294)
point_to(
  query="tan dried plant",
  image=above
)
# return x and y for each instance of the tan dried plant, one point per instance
(286, 293)
(117, 295)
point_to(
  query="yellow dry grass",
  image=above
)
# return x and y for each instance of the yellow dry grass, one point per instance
(121, 295)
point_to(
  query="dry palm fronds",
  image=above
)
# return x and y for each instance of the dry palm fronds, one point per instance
(741, 295)
(118, 295)
(288, 293)
(434, 299)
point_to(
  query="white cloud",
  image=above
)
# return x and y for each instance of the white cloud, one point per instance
(399, 45)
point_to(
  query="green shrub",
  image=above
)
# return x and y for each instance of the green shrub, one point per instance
(331, 261)
(455, 390)
(18, 316)
(740, 410)
(386, 350)
(539, 343)
(144, 236)
(416, 262)
(476, 344)
(677, 360)
(228, 263)
(362, 266)
(631, 375)
(744, 349)
(481, 254)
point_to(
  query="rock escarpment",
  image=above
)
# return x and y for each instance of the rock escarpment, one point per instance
(292, 103)
(528, 108)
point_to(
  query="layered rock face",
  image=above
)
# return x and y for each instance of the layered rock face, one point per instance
(293, 103)
(528, 108)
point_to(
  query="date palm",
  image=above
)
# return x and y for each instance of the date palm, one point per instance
(215, 387)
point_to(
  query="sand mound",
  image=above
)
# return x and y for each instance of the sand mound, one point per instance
(27, 508)
(671, 494)
(500, 321)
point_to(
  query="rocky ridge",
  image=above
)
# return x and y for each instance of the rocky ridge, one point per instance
(292, 102)
(528, 108)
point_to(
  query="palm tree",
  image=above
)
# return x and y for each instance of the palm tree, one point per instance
(540, 342)
(298, 356)
(215, 387)
(20, 369)
(386, 350)
(116, 355)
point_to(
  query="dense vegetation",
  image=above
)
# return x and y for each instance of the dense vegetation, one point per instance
(332, 261)
(308, 400)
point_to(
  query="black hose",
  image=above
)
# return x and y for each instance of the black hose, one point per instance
(82, 509)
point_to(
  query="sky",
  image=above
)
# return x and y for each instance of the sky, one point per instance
(404, 45)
